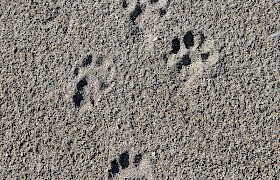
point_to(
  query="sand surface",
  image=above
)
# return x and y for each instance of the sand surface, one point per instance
(139, 89)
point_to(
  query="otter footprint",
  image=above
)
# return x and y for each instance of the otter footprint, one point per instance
(191, 54)
(138, 8)
(78, 96)
(126, 167)
(96, 79)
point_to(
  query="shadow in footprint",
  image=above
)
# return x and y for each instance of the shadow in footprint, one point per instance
(202, 39)
(175, 45)
(162, 12)
(124, 4)
(78, 96)
(135, 13)
(76, 71)
(189, 39)
(87, 60)
(124, 160)
(81, 84)
(137, 159)
(205, 56)
(153, 1)
(185, 61)
(114, 169)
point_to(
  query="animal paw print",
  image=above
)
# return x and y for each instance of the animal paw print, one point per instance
(190, 60)
(125, 167)
(78, 96)
(97, 78)
(137, 8)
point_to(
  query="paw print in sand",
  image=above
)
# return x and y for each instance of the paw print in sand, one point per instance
(95, 78)
(127, 167)
(138, 8)
(143, 17)
(190, 55)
